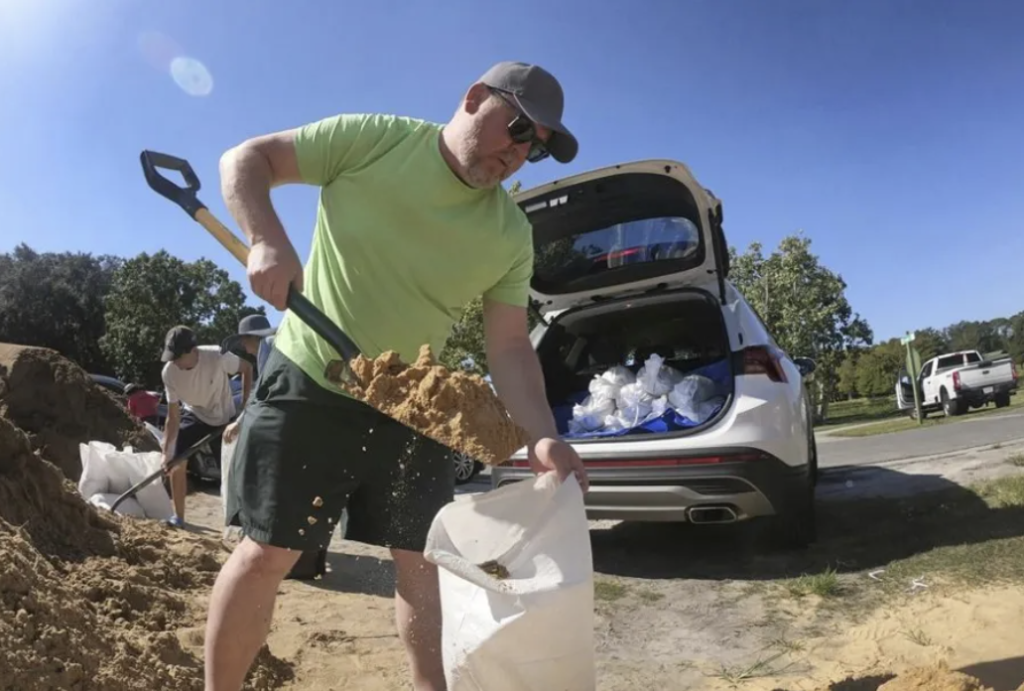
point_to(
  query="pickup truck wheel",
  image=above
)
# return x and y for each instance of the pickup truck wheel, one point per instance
(951, 407)
(1002, 400)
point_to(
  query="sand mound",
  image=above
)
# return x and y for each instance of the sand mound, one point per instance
(938, 678)
(91, 600)
(56, 403)
(458, 409)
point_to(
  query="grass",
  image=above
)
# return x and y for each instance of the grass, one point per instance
(937, 418)
(825, 584)
(989, 551)
(1016, 459)
(608, 591)
(860, 410)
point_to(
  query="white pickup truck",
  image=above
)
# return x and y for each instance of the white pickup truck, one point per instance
(954, 382)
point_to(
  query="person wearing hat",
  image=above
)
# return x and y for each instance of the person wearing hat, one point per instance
(197, 381)
(252, 343)
(412, 224)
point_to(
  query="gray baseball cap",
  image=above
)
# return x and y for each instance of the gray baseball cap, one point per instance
(539, 95)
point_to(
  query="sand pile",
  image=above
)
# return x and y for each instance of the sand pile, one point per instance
(89, 600)
(458, 409)
(932, 678)
(55, 402)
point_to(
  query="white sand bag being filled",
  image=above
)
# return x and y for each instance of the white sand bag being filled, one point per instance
(517, 588)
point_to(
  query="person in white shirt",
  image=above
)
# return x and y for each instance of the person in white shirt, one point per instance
(196, 379)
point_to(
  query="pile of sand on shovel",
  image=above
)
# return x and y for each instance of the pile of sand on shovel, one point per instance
(458, 409)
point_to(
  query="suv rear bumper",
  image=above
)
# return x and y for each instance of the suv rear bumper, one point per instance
(979, 396)
(742, 484)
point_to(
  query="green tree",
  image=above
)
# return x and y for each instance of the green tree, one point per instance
(846, 375)
(930, 342)
(55, 300)
(878, 368)
(153, 292)
(804, 306)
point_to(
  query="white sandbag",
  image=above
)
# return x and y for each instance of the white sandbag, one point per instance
(633, 404)
(106, 470)
(590, 414)
(689, 394)
(532, 630)
(607, 384)
(657, 378)
(129, 507)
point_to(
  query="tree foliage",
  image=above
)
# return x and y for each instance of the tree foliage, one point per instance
(55, 300)
(804, 306)
(151, 293)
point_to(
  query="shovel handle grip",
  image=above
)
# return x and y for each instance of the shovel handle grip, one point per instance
(185, 197)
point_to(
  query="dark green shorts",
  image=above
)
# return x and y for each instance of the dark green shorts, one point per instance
(305, 453)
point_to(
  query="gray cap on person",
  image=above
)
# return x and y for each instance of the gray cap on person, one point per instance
(179, 341)
(539, 95)
(252, 325)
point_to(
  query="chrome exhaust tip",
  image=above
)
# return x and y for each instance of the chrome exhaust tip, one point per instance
(711, 514)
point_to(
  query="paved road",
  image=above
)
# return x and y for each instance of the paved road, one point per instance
(990, 429)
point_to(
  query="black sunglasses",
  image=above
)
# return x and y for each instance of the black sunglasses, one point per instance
(523, 130)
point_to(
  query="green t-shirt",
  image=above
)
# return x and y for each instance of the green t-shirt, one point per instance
(401, 244)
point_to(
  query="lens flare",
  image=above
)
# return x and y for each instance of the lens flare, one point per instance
(163, 54)
(192, 76)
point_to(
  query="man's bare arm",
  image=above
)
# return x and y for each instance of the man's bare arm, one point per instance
(519, 381)
(171, 429)
(515, 370)
(248, 172)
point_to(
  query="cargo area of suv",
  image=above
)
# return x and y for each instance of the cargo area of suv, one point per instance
(685, 332)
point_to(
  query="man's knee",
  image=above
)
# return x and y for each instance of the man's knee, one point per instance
(263, 561)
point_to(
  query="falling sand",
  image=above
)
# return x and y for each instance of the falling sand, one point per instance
(457, 409)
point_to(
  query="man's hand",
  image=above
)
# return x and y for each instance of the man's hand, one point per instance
(168, 457)
(272, 269)
(231, 432)
(554, 454)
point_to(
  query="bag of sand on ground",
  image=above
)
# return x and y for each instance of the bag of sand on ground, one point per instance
(107, 472)
(517, 588)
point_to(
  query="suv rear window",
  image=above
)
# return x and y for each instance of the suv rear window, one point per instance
(634, 242)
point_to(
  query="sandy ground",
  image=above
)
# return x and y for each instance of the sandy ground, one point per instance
(685, 609)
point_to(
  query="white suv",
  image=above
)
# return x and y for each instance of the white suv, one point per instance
(631, 261)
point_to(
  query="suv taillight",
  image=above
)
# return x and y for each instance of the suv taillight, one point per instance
(956, 381)
(1013, 370)
(763, 360)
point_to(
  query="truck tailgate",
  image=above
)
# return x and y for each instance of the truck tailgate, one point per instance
(986, 374)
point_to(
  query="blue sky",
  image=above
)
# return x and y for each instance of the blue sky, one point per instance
(889, 131)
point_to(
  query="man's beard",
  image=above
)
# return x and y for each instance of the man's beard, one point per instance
(474, 166)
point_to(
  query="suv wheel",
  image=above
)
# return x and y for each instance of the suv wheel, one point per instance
(796, 526)
(466, 468)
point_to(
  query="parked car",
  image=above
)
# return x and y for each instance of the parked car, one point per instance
(954, 382)
(755, 457)
(466, 467)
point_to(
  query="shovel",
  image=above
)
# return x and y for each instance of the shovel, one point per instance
(149, 479)
(337, 371)
(186, 198)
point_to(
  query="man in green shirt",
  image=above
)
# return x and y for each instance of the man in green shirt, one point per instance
(412, 223)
